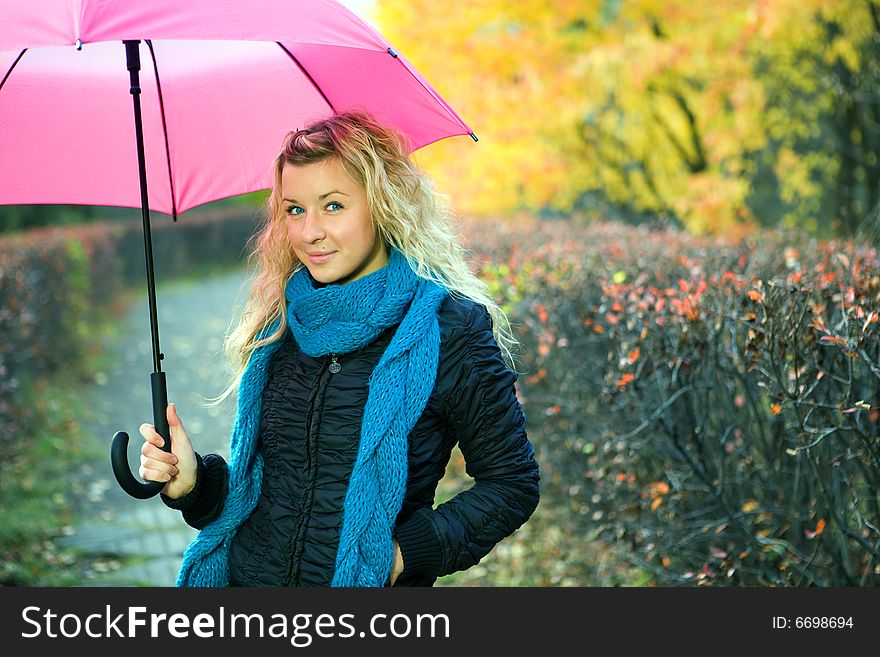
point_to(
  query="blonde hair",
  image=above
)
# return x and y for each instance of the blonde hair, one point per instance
(406, 211)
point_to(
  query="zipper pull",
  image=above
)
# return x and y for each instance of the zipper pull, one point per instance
(335, 367)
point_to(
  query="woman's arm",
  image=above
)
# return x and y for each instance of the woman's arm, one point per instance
(484, 414)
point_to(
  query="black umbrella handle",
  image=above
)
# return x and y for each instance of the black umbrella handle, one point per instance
(119, 447)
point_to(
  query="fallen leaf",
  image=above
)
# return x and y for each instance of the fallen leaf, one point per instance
(542, 314)
(717, 553)
(750, 506)
(820, 527)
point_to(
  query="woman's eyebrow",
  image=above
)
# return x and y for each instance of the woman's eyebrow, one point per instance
(335, 191)
(320, 198)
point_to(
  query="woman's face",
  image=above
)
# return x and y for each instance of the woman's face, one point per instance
(328, 222)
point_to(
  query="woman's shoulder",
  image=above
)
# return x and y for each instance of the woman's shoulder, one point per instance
(469, 353)
(459, 314)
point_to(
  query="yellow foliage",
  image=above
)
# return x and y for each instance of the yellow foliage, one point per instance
(656, 105)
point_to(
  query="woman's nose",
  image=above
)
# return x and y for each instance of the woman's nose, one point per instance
(312, 228)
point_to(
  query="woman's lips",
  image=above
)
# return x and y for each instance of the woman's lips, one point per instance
(320, 258)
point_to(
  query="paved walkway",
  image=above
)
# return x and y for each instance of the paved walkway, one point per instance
(141, 542)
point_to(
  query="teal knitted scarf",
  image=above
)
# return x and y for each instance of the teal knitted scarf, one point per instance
(340, 319)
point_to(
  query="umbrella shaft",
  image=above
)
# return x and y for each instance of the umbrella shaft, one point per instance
(133, 64)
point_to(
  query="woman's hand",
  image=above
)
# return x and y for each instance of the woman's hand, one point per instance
(177, 467)
(397, 568)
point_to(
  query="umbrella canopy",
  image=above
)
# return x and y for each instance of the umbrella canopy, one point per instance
(168, 104)
(222, 81)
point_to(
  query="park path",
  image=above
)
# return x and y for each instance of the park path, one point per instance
(140, 542)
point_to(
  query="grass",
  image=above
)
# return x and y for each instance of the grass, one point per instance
(35, 493)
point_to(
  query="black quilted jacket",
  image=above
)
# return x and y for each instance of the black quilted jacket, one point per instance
(309, 432)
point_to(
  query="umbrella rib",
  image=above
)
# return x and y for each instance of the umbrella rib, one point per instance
(434, 94)
(308, 76)
(9, 72)
(164, 130)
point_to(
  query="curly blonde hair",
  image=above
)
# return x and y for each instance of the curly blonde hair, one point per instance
(405, 209)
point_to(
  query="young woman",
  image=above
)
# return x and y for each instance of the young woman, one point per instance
(366, 352)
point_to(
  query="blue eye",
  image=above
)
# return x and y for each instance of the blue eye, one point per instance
(294, 210)
(333, 206)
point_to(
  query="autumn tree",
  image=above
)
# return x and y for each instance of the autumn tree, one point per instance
(820, 64)
(716, 114)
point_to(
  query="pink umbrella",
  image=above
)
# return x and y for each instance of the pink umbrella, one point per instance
(224, 81)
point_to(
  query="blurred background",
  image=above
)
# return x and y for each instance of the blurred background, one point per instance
(677, 203)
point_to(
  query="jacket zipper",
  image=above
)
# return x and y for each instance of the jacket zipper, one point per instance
(317, 401)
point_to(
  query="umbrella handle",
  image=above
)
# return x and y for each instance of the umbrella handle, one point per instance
(119, 447)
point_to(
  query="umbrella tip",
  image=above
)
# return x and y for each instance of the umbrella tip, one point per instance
(79, 44)
(392, 53)
(474, 137)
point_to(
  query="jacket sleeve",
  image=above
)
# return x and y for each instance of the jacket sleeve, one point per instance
(482, 410)
(205, 501)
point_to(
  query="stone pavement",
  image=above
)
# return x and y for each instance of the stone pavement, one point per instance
(140, 546)
(140, 542)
